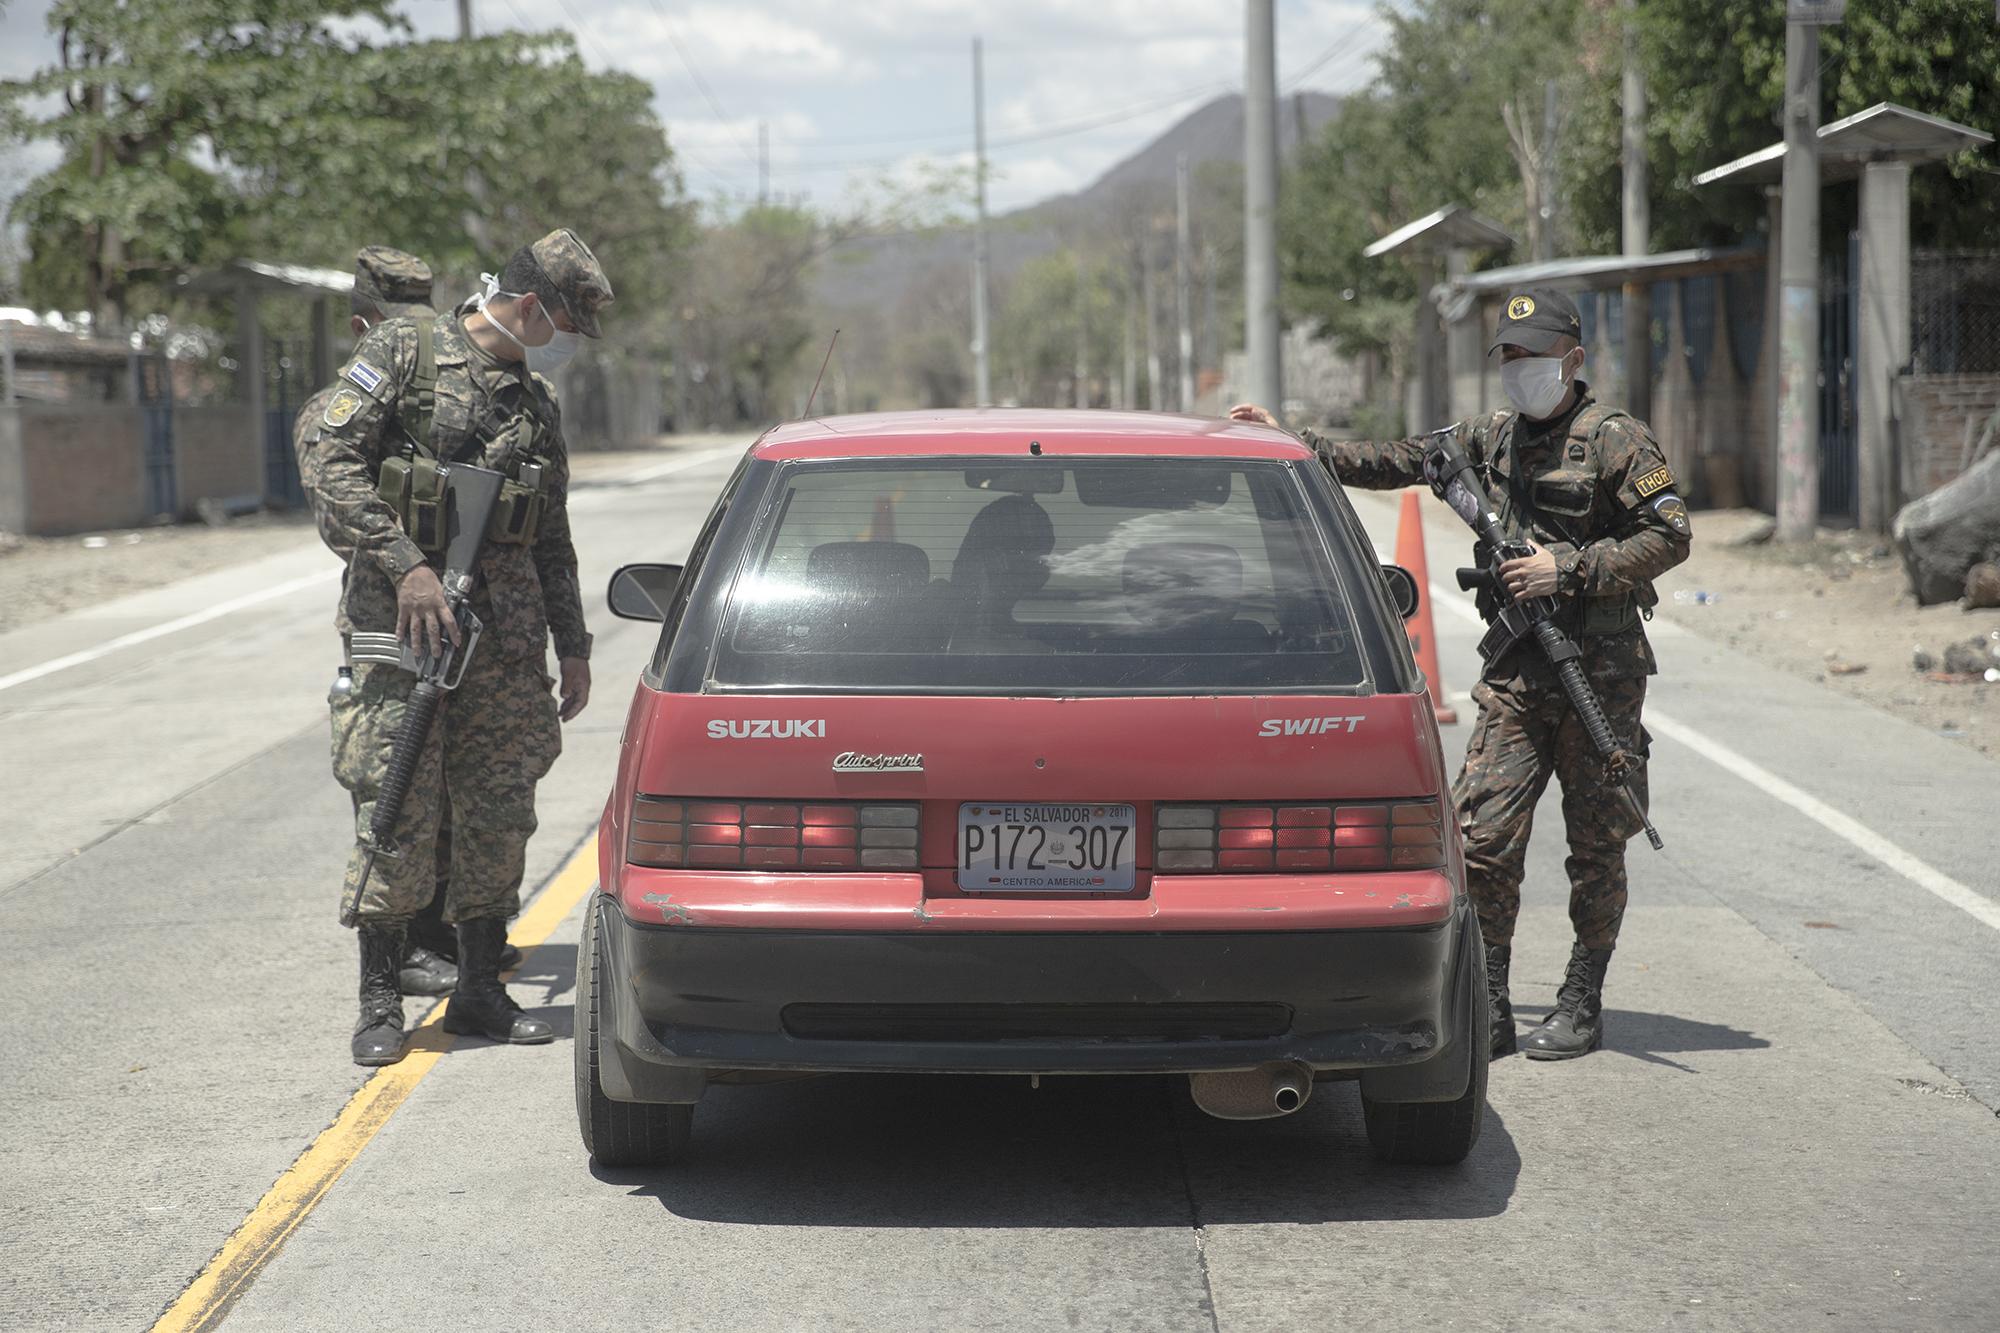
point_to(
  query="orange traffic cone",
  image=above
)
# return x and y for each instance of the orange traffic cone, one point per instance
(1423, 637)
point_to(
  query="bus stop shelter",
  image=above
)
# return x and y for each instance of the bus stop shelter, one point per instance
(1879, 145)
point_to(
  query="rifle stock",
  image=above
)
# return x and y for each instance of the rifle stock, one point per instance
(470, 494)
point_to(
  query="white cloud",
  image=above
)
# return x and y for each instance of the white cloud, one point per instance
(858, 90)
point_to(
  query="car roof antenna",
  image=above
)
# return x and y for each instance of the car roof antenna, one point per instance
(822, 372)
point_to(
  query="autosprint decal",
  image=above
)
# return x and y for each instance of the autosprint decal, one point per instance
(850, 762)
(767, 729)
(1307, 726)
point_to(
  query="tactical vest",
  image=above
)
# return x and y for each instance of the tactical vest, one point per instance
(1549, 503)
(412, 485)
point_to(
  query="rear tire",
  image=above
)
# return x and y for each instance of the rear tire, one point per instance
(1441, 1133)
(616, 1134)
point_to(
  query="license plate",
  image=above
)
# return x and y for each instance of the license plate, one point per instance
(1050, 848)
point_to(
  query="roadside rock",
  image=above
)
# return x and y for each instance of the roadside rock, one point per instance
(1944, 534)
(1982, 584)
(1970, 658)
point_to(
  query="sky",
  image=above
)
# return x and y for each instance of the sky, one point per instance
(850, 92)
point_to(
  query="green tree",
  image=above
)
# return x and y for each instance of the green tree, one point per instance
(148, 95)
(1716, 79)
(1035, 331)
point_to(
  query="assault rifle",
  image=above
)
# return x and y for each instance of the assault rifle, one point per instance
(470, 494)
(1452, 477)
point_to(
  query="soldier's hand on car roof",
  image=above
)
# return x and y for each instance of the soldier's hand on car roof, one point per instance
(1252, 412)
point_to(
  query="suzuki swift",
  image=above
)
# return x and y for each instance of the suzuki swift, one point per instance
(1030, 743)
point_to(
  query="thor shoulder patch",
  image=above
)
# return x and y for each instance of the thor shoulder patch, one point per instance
(340, 408)
(1652, 483)
(1671, 508)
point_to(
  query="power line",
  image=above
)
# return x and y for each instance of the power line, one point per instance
(701, 84)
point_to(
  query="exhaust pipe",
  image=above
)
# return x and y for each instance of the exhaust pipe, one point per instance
(1253, 1094)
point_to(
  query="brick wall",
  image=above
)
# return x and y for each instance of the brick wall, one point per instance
(1942, 419)
(216, 454)
(81, 468)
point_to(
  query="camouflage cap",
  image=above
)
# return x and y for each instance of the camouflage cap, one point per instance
(576, 276)
(397, 282)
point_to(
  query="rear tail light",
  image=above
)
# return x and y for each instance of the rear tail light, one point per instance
(1279, 839)
(707, 834)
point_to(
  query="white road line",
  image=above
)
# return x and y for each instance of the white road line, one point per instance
(1845, 827)
(235, 604)
(1923, 875)
(151, 632)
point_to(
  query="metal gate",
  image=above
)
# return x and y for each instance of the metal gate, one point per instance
(1839, 314)
(281, 466)
(153, 388)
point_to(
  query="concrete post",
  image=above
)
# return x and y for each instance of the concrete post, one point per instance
(250, 343)
(1262, 337)
(1798, 275)
(1884, 342)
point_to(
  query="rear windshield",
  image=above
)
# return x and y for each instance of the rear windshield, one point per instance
(1117, 574)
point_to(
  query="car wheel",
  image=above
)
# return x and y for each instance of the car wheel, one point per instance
(1440, 1133)
(617, 1134)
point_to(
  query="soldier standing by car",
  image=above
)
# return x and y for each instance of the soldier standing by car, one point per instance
(388, 283)
(1586, 486)
(463, 389)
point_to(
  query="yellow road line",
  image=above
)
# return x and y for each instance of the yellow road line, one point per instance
(207, 1300)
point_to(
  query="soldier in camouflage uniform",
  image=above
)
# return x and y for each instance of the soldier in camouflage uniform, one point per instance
(463, 389)
(388, 283)
(1586, 485)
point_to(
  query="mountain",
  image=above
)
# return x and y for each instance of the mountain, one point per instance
(880, 272)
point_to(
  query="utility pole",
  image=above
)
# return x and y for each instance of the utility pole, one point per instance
(982, 374)
(1081, 394)
(763, 163)
(1183, 278)
(1260, 207)
(1798, 277)
(475, 217)
(1638, 235)
(1153, 395)
(1128, 397)
(464, 20)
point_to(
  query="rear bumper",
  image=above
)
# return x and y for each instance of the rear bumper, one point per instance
(682, 1003)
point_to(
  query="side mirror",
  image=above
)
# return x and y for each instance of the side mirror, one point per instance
(641, 592)
(1402, 589)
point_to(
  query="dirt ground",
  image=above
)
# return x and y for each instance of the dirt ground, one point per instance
(42, 577)
(1836, 611)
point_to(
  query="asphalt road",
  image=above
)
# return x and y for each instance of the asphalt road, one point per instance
(1791, 1126)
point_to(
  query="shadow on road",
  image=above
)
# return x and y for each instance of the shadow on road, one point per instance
(944, 1151)
(1652, 1037)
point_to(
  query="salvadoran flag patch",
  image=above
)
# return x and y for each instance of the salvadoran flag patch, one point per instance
(365, 375)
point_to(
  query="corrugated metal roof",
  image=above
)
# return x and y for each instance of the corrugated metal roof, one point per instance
(1450, 228)
(1884, 132)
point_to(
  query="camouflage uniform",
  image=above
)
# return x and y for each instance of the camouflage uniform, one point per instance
(396, 283)
(499, 733)
(1592, 488)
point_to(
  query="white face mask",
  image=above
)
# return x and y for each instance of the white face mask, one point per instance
(1535, 384)
(545, 359)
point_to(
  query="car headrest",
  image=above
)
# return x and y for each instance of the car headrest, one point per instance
(868, 569)
(1006, 549)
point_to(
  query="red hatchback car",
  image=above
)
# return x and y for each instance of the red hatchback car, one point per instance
(1030, 743)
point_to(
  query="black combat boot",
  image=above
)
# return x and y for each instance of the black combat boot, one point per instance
(1577, 1025)
(429, 932)
(480, 1004)
(424, 973)
(378, 1033)
(1499, 1008)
